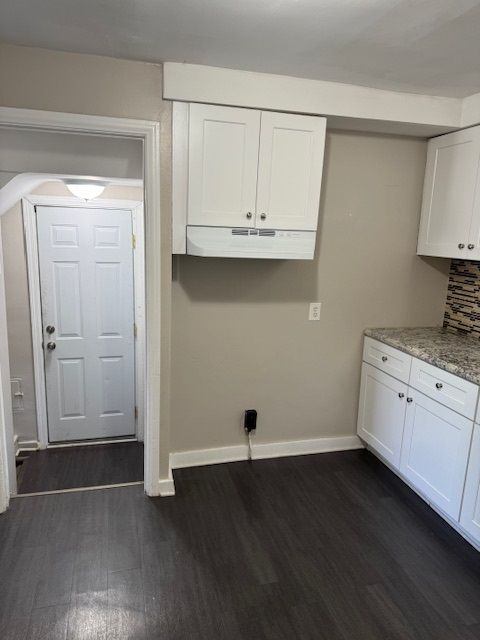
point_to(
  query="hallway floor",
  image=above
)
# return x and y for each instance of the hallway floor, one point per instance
(321, 547)
(94, 465)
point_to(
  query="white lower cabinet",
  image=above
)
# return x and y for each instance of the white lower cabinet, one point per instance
(470, 515)
(436, 443)
(382, 412)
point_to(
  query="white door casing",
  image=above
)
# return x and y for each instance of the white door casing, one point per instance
(436, 442)
(382, 412)
(86, 280)
(223, 157)
(290, 171)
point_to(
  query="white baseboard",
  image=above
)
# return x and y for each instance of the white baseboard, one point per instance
(200, 457)
(26, 445)
(166, 487)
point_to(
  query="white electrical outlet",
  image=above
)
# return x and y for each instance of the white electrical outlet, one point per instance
(314, 311)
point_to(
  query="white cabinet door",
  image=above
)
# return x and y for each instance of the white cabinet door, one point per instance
(223, 160)
(470, 515)
(450, 210)
(86, 282)
(290, 171)
(381, 413)
(436, 442)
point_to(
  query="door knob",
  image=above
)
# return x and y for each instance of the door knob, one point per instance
(263, 216)
(49, 329)
(51, 346)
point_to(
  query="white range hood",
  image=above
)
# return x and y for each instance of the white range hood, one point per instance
(241, 242)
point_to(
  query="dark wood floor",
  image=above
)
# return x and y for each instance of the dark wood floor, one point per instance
(327, 547)
(86, 466)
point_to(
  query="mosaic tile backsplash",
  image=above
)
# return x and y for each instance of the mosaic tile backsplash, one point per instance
(462, 309)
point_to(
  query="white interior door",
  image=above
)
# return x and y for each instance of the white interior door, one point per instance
(381, 412)
(223, 158)
(86, 283)
(290, 171)
(436, 442)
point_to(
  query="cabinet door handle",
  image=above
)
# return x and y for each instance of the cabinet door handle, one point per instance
(409, 400)
(249, 214)
(401, 395)
(384, 358)
(439, 385)
(461, 245)
(471, 246)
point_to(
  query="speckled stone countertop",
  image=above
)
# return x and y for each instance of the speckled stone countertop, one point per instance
(454, 352)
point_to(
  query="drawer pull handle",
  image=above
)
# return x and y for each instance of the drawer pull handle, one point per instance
(439, 385)
(409, 399)
(401, 395)
(384, 358)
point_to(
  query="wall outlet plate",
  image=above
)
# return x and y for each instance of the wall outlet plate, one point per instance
(314, 311)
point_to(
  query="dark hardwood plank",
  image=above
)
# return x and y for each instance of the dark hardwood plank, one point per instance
(327, 547)
(83, 466)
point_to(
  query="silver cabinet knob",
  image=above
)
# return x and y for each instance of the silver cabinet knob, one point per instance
(409, 399)
(439, 385)
(461, 245)
(471, 246)
(51, 346)
(263, 216)
(384, 358)
(249, 214)
(50, 329)
(401, 395)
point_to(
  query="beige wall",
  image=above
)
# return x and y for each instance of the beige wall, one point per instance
(241, 338)
(56, 81)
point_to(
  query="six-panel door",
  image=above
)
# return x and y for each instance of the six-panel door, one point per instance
(382, 412)
(435, 449)
(450, 220)
(223, 158)
(289, 171)
(470, 515)
(86, 281)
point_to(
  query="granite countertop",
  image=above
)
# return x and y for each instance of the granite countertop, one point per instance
(456, 353)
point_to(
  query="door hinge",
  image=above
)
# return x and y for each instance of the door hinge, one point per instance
(134, 329)
(134, 241)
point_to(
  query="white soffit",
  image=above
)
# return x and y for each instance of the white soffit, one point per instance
(346, 106)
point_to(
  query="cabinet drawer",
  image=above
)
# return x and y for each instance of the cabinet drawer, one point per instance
(452, 391)
(392, 361)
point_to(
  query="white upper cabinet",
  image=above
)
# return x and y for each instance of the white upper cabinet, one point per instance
(223, 158)
(450, 220)
(289, 171)
(249, 168)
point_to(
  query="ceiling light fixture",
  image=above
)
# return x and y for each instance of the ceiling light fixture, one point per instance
(85, 189)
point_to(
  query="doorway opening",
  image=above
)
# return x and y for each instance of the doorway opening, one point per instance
(83, 271)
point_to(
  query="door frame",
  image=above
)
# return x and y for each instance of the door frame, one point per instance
(135, 208)
(157, 480)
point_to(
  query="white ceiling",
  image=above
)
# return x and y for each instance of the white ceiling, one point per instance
(422, 46)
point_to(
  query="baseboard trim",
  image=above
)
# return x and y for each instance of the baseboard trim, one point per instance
(166, 487)
(26, 445)
(261, 451)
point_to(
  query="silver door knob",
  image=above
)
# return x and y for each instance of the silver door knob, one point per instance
(461, 245)
(409, 399)
(249, 214)
(51, 346)
(384, 358)
(263, 216)
(471, 246)
(401, 395)
(50, 329)
(439, 385)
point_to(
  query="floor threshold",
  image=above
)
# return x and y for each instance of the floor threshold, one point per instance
(76, 489)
